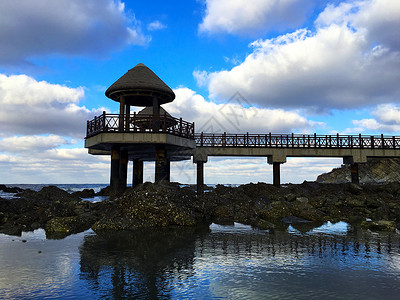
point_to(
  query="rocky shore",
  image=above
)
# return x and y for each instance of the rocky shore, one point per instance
(374, 207)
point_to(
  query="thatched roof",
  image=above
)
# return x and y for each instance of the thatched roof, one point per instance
(149, 111)
(139, 85)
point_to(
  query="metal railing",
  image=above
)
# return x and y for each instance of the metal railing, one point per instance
(297, 141)
(139, 123)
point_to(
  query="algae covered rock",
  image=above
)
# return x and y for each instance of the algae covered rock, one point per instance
(381, 225)
(153, 205)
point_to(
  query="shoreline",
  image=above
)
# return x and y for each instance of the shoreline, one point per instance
(263, 206)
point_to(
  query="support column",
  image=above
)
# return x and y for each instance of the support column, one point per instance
(162, 165)
(276, 166)
(121, 112)
(137, 172)
(156, 114)
(354, 173)
(127, 116)
(123, 169)
(114, 176)
(200, 178)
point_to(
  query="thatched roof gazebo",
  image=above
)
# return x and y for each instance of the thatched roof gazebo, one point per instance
(140, 86)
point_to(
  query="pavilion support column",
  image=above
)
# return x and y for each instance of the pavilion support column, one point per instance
(200, 178)
(121, 112)
(127, 116)
(276, 166)
(123, 169)
(137, 172)
(156, 114)
(114, 176)
(354, 173)
(162, 165)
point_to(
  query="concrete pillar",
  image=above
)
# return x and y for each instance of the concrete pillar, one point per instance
(276, 166)
(137, 172)
(114, 176)
(162, 165)
(354, 173)
(123, 169)
(200, 178)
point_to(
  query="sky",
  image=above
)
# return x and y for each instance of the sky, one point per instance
(235, 66)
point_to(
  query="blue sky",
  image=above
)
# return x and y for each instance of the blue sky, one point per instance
(298, 65)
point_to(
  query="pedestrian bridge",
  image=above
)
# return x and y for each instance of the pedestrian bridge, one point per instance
(163, 139)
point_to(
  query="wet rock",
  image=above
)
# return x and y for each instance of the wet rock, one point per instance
(303, 200)
(264, 225)
(12, 190)
(104, 192)
(153, 205)
(381, 225)
(276, 211)
(67, 225)
(86, 193)
(294, 220)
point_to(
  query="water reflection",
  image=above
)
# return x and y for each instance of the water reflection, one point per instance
(237, 262)
(138, 263)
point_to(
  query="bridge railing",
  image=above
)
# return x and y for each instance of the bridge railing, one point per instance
(297, 141)
(139, 123)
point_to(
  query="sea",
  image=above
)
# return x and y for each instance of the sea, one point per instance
(332, 261)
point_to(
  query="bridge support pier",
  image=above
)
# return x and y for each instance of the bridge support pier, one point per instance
(276, 169)
(137, 176)
(162, 169)
(355, 178)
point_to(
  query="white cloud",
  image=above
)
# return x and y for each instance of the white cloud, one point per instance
(388, 114)
(237, 115)
(65, 27)
(32, 107)
(343, 64)
(31, 144)
(386, 119)
(249, 18)
(54, 166)
(156, 25)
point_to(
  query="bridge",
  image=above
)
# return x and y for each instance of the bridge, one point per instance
(140, 132)
(154, 135)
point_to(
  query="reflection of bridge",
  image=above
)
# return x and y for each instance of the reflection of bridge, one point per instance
(154, 135)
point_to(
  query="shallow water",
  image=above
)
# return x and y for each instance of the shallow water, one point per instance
(333, 261)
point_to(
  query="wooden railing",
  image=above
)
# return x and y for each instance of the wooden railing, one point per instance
(140, 123)
(297, 141)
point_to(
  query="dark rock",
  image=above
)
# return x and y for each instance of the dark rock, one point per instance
(294, 220)
(153, 205)
(12, 190)
(86, 193)
(104, 192)
(67, 225)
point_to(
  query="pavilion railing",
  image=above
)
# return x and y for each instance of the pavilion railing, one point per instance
(139, 123)
(297, 141)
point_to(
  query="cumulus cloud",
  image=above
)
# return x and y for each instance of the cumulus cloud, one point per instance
(32, 107)
(31, 144)
(53, 166)
(387, 119)
(156, 25)
(66, 27)
(346, 63)
(236, 115)
(249, 18)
